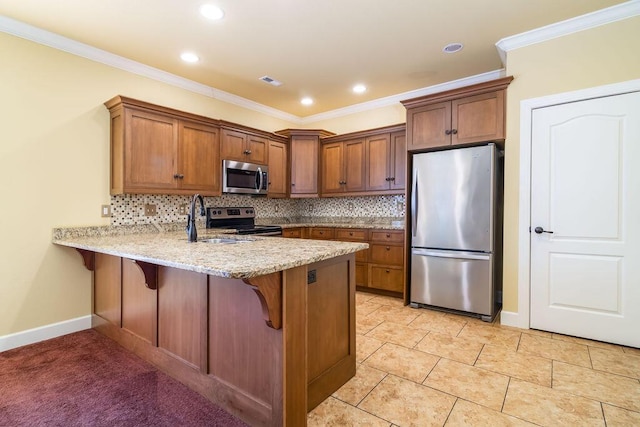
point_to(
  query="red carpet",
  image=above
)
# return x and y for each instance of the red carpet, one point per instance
(85, 379)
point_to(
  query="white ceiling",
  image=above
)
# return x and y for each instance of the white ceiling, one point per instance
(316, 48)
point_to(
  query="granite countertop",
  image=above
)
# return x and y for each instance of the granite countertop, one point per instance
(253, 256)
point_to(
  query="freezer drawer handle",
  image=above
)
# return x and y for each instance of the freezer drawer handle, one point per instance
(449, 255)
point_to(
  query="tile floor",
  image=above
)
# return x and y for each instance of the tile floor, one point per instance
(418, 367)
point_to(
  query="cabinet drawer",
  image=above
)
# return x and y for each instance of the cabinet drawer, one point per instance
(351, 234)
(386, 254)
(390, 236)
(321, 233)
(292, 232)
(387, 278)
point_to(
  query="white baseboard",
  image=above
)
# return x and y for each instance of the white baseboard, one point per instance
(509, 318)
(31, 336)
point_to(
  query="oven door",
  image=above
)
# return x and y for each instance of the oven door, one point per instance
(244, 178)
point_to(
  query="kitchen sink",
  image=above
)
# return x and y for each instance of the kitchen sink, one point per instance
(223, 241)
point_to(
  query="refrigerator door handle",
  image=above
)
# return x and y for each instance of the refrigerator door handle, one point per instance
(414, 204)
(457, 255)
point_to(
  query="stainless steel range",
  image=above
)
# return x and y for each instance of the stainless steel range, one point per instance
(240, 219)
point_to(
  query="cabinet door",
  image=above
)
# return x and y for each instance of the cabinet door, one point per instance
(304, 166)
(378, 158)
(277, 169)
(233, 145)
(199, 165)
(478, 118)
(398, 161)
(107, 287)
(353, 167)
(428, 126)
(139, 303)
(150, 151)
(257, 149)
(332, 172)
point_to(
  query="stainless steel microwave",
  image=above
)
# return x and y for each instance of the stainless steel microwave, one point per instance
(244, 178)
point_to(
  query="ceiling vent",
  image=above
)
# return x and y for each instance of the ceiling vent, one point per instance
(270, 80)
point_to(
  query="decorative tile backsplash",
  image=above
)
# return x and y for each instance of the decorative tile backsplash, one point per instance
(128, 209)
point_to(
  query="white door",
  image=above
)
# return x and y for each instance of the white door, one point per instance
(585, 189)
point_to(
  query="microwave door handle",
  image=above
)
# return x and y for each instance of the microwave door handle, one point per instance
(260, 179)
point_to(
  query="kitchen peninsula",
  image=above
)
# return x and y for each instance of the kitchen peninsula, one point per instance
(262, 326)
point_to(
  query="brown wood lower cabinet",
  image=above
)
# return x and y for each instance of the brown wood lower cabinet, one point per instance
(213, 334)
(381, 267)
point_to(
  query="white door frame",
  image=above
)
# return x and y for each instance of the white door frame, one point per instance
(521, 319)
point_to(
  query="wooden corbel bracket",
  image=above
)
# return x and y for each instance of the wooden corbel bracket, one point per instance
(269, 291)
(150, 272)
(88, 258)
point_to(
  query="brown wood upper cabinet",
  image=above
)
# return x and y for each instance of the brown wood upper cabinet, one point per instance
(243, 147)
(386, 161)
(158, 150)
(459, 116)
(343, 166)
(278, 170)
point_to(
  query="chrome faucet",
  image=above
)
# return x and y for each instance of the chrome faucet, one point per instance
(192, 234)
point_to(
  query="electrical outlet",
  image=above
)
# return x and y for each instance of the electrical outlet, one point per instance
(105, 211)
(182, 209)
(149, 210)
(399, 207)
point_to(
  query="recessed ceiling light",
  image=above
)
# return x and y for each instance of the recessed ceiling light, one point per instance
(452, 48)
(306, 101)
(212, 12)
(189, 57)
(359, 88)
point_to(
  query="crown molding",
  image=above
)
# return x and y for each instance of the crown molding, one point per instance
(579, 23)
(56, 41)
(395, 99)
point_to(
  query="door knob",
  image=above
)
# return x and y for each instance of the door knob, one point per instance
(540, 230)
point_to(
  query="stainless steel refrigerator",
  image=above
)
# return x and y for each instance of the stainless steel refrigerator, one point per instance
(456, 230)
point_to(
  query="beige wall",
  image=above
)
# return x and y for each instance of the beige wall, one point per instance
(54, 159)
(603, 55)
(385, 116)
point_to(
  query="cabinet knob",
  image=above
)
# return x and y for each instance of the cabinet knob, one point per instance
(350, 234)
(388, 248)
(388, 235)
(454, 131)
(387, 271)
(176, 176)
(181, 176)
(292, 184)
(248, 151)
(392, 178)
(447, 132)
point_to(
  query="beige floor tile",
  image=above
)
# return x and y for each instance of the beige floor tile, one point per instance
(362, 297)
(546, 406)
(618, 417)
(365, 347)
(438, 322)
(400, 315)
(615, 362)
(526, 367)
(491, 335)
(406, 403)
(397, 334)
(467, 382)
(469, 414)
(587, 342)
(537, 333)
(563, 351)
(334, 413)
(359, 386)
(602, 386)
(384, 300)
(403, 362)
(366, 308)
(450, 347)
(470, 319)
(631, 350)
(365, 324)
